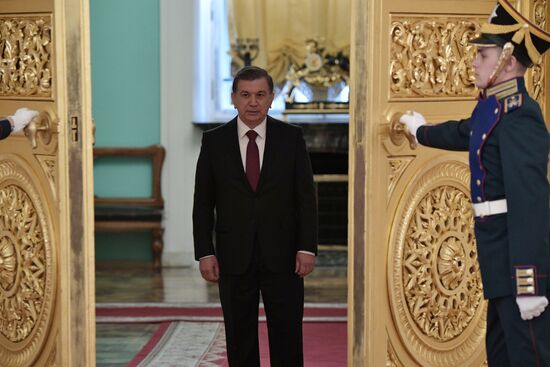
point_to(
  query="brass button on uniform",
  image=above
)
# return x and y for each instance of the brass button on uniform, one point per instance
(496, 111)
(478, 182)
(484, 136)
(478, 152)
(479, 199)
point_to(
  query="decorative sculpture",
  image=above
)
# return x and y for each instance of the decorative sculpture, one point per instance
(321, 79)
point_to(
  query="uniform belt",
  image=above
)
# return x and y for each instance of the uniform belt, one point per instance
(490, 208)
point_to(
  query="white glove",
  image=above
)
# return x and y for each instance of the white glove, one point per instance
(413, 121)
(531, 306)
(22, 117)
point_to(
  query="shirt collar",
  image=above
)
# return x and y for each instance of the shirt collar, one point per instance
(242, 129)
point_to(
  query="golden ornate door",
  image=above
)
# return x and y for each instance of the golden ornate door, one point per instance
(47, 313)
(415, 294)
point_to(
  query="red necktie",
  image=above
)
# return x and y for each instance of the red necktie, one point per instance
(252, 160)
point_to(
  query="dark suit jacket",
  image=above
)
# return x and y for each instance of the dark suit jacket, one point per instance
(280, 217)
(508, 144)
(5, 129)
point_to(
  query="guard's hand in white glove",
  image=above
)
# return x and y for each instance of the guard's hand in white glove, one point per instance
(531, 306)
(413, 121)
(22, 117)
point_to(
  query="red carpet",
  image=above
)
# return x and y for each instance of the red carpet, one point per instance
(160, 312)
(325, 344)
(193, 335)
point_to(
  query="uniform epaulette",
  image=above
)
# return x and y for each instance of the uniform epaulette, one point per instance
(513, 102)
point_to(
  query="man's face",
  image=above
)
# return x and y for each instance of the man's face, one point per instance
(252, 100)
(484, 65)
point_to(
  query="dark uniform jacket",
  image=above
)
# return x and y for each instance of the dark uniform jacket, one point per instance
(280, 217)
(5, 129)
(508, 144)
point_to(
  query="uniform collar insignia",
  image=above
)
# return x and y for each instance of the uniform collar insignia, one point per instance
(506, 89)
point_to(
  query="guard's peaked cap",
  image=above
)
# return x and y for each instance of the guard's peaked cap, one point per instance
(505, 25)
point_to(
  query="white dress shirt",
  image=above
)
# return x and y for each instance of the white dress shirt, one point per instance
(242, 129)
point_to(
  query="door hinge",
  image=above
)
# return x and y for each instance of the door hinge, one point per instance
(74, 128)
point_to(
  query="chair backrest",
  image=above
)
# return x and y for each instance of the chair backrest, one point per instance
(156, 153)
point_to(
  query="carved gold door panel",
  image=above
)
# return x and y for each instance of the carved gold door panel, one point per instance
(46, 239)
(415, 292)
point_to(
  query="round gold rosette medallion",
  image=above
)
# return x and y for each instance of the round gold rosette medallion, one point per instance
(435, 287)
(27, 280)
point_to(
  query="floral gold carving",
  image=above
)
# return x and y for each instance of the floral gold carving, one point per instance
(537, 73)
(26, 56)
(431, 57)
(440, 271)
(397, 166)
(435, 285)
(52, 359)
(391, 359)
(539, 7)
(27, 280)
(49, 166)
(22, 263)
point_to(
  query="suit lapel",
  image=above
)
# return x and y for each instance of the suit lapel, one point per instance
(271, 143)
(235, 151)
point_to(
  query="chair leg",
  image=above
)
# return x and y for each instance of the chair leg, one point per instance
(157, 248)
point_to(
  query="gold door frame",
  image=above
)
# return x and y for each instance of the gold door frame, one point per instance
(391, 184)
(78, 258)
(46, 187)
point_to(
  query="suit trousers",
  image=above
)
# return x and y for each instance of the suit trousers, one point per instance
(511, 341)
(283, 298)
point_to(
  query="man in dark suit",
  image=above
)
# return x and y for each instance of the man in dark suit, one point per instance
(16, 122)
(254, 189)
(507, 141)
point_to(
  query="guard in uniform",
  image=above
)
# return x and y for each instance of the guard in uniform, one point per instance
(508, 146)
(16, 122)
